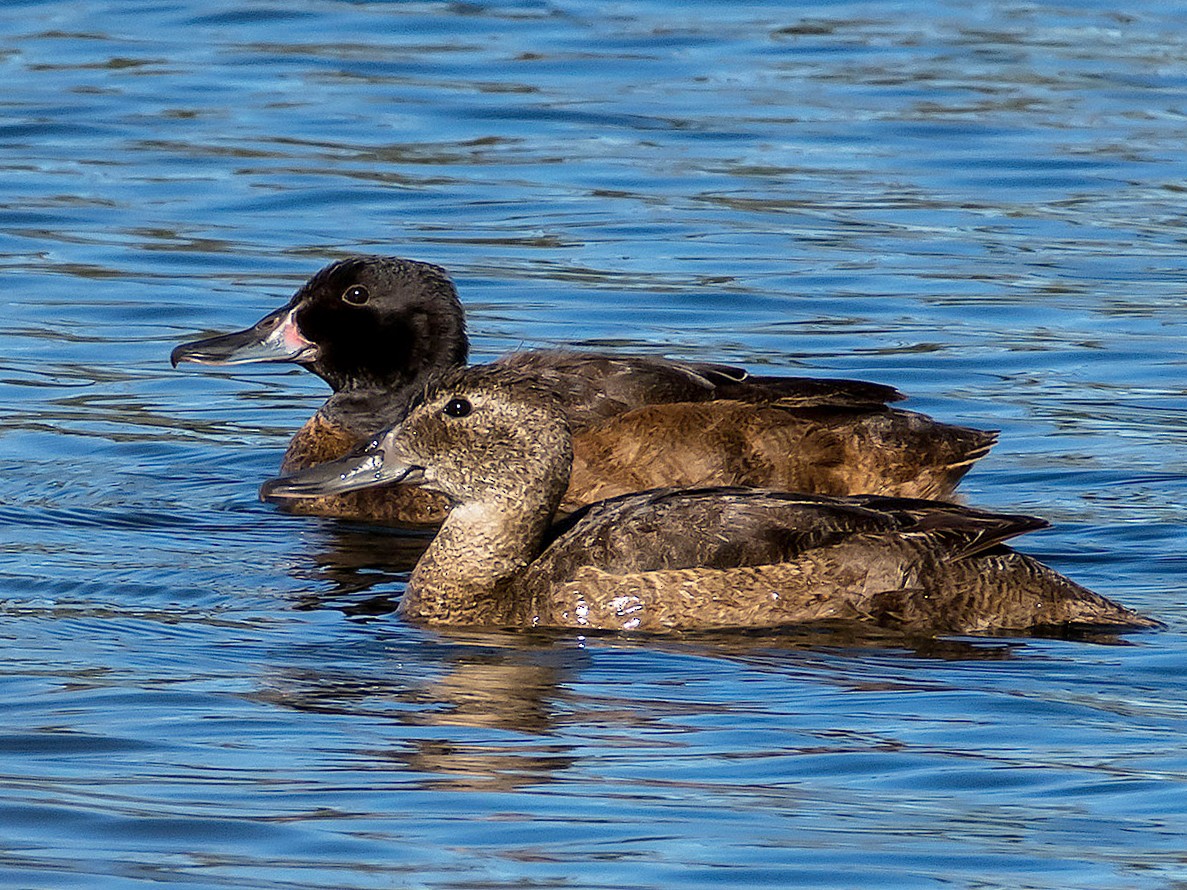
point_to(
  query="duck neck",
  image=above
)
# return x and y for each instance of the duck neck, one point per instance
(468, 573)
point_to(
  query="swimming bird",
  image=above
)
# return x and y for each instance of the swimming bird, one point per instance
(377, 328)
(496, 443)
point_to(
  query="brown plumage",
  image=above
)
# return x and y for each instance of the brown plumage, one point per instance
(378, 328)
(497, 444)
(820, 450)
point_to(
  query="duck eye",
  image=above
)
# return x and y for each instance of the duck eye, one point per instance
(356, 295)
(457, 408)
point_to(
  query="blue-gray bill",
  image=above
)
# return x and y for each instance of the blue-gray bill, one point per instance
(274, 338)
(350, 473)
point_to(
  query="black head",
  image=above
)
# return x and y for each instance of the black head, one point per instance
(359, 323)
(381, 320)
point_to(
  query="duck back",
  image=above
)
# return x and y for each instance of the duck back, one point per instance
(823, 450)
(714, 558)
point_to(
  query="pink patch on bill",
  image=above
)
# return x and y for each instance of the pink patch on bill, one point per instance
(290, 336)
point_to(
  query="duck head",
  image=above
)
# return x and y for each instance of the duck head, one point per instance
(480, 436)
(362, 321)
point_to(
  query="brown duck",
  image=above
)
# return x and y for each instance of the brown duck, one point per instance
(496, 443)
(377, 328)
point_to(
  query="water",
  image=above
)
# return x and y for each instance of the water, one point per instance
(982, 204)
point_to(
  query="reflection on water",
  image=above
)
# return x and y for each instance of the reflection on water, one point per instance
(354, 560)
(504, 687)
(530, 686)
(979, 205)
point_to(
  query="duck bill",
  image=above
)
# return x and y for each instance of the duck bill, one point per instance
(274, 338)
(364, 470)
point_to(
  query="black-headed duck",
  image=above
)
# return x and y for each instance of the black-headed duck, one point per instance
(496, 444)
(377, 328)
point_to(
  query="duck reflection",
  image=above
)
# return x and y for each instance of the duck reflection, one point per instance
(350, 561)
(476, 766)
(509, 683)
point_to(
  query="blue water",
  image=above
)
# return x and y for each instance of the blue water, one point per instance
(982, 204)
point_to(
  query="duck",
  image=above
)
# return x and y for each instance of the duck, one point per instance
(377, 328)
(496, 443)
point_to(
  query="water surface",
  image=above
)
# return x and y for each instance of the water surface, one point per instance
(982, 205)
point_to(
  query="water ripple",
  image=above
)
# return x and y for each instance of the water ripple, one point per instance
(979, 205)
